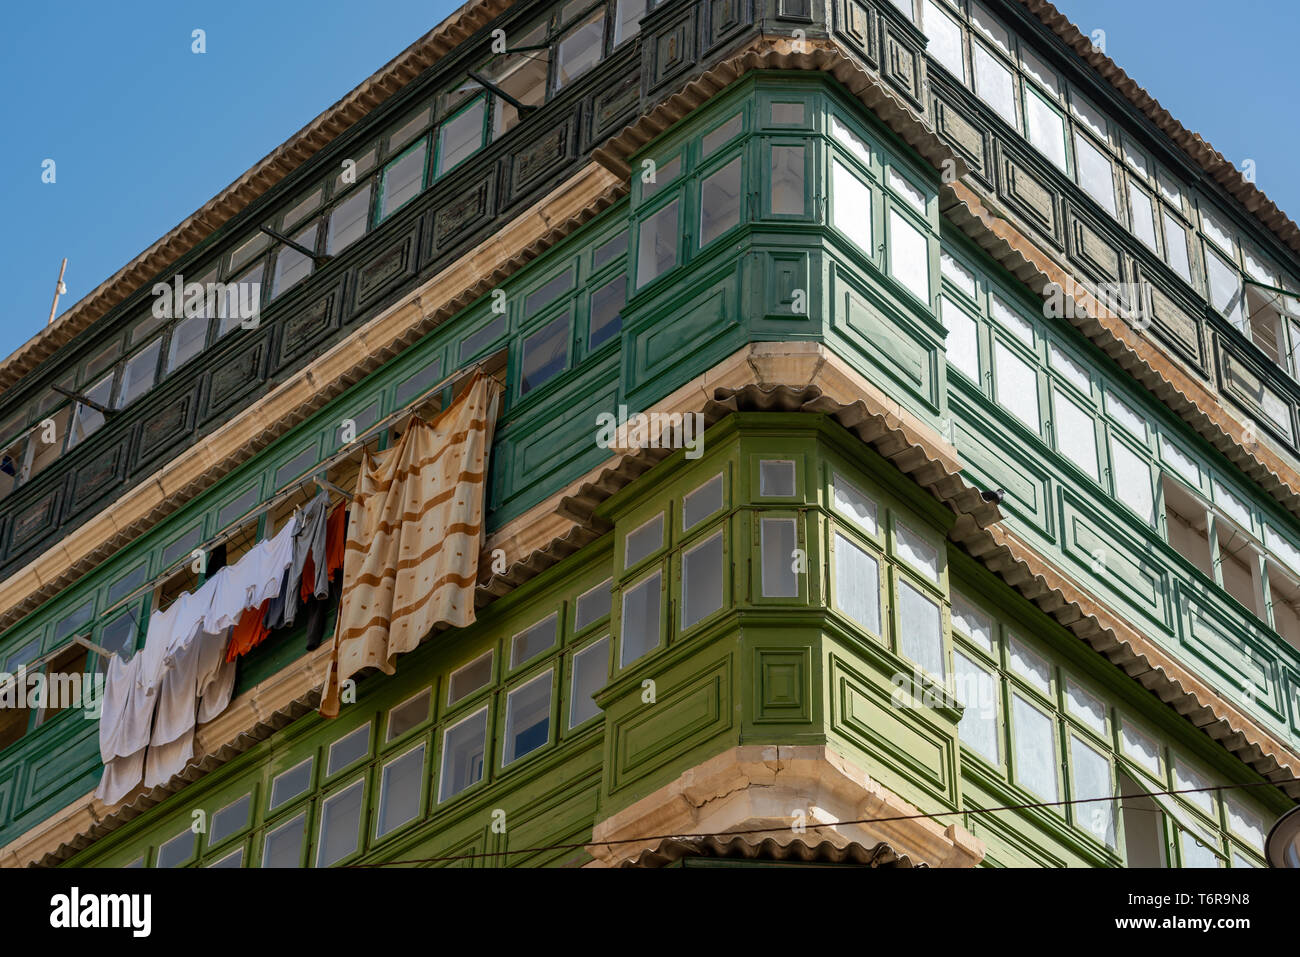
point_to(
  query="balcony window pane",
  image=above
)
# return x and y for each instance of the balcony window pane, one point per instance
(86, 421)
(283, 846)
(640, 632)
(851, 207)
(945, 36)
(994, 83)
(721, 135)
(856, 145)
(528, 718)
(467, 679)
(1034, 749)
(702, 580)
(1030, 665)
(1092, 780)
(1086, 707)
(778, 544)
(1017, 386)
(348, 221)
(188, 338)
(1132, 480)
(399, 791)
(590, 672)
(787, 180)
(701, 503)
(627, 19)
(643, 541)
(971, 622)
(1076, 436)
(1144, 215)
(963, 340)
(139, 374)
(719, 202)
(523, 77)
(340, 825)
(581, 49)
(231, 819)
(592, 606)
(348, 749)
(546, 353)
(977, 691)
(291, 266)
(776, 478)
(402, 179)
(656, 251)
(407, 715)
(461, 136)
(853, 504)
(532, 641)
(857, 584)
(909, 256)
(920, 630)
(463, 746)
(1095, 174)
(1045, 127)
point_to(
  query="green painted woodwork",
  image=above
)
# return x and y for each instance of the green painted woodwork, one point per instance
(758, 671)
(742, 287)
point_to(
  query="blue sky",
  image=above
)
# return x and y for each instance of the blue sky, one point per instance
(143, 131)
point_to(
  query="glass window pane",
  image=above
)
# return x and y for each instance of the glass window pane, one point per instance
(776, 478)
(917, 552)
(592, 606)
(291, 783)
(778, 544)
(1086, 707)
(1017, 386)
(177, 851)
(1198, 849)
(1124, 415)
(1225, 287)
(291, 266)
(701, 503)
(590, 672)
(1034, 749)
(1045, 127)
(231, 819)
(1030, 665)
(945, 36)
(1189, 779)
(139, 374)
(399, 791)
(1095, 174)
(787, 114)
(188, 338)
(283, 846)
(235, 859)
(1076, 435)
(903, 188)
(719, 202)
(956, 273)
(701, 580)
(856, 146)
(461, 136)
(523, 77)
(478, 340)
(787, 180)
(656, 248)
(532, 641)
(402, 179)
(581, 49)
(545, 354)
(1091, 774)
(971, 622)
(607, 311)
(627, 19)
(340, 825)
(463, 746)
(1176, 248)
(1011, 320)
(469, 678)
(977, 691)
(1244, 821)
(994, 83)
(857, 584)
(1144, 215)
(348, 221)
(909, 256)
(853, 504)
(1132, 480)
(1069, 370)
(963, 350)
(1141, 747)
(409, 714)
(242, 301)
(644, 541)
(851, 207)
(640, 632)
(349, 749)
(920, 630)
(608, 251)
(721, 135)
(528, 718)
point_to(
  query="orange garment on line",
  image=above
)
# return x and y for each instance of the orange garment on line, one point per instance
(249, 632)
(336, 541)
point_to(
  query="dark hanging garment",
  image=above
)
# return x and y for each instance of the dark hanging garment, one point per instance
(318, 612)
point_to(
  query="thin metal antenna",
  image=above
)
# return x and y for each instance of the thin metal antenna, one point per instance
(59, 289)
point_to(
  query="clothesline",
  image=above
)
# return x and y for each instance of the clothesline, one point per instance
(312, 475)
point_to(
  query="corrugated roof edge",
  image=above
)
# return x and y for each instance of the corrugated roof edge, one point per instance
(252, 184)
(1214, 163)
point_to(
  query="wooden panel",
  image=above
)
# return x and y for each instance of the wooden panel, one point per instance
(612, 108)
(856, 23)
(236, 377)
(530, 163)
(672, 49)
(782, 685)
(726, 18)
(36, 519)
(1227, 650)
(385, 271)
(307, 327)
(895, 345)
(1246, 386)
(1024, 189)
(98, 477)
(1105, 554)
(1098, 256)
(961, 134)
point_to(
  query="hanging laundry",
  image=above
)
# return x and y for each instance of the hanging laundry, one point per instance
(318, 610)
(256, 577)
(250, 632)
(415, 530)
(308, 540)
(124, 729)
(336, 530)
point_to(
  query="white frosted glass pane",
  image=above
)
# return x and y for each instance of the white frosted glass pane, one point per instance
(1039, 70)
(971, 622)
(1095, 174)
(963, 340)
(1170, 189)
(701, 581)
(640, 620)
(1076, 436)
(778, 545)
(701, 503)
(656, 250)
(983, 21)
(1233, 506)
(917, 552)
(957, 274)
(1189, 779)
(1017, 386)
(1132, 480)
(909, 256)
(1141, 747)
(1090, 116)
(857, 146)
(914, 196)
(1181, 463)
(994, 83)
(1030, 665)
(1011, 320)
(1091, 773)
(1225, 287)
(1069, 370)
(788, 180)
(1218, 231)
(1085, 706)
(854, 504)
(776, 478)
(977, 691)
(1124, 415)
(1034, 749)
(851, 207)
(1244, 821)
(590, 672)
(1045, 128)
(944, 35)
(1176, 248)
(857, 584)
(1196, 850)
(920, 630)
(643, 541)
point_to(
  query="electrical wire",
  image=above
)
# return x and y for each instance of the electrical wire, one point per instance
(922, 815)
